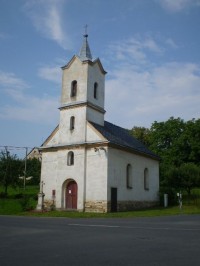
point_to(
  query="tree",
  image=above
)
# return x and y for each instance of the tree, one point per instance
(186, 177)
(190, 176)
(177, 143)
(10, 169)
(165, 140)
(142, 134)
(191, 139)
(34, 170)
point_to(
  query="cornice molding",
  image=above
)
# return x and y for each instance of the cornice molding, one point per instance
(80, 104)
(97, 144)
(73, 146)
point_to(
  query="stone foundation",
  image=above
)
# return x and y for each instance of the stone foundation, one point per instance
(96, 206)
(104, 206)
(135, 205)
(49, 205)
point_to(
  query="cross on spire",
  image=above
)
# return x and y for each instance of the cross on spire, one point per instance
(85, 35)
(85, 53)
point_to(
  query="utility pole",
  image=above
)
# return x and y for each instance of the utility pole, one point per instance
(25, 167)
(7, 169)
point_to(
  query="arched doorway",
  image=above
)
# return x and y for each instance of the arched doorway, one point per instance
(71, 195)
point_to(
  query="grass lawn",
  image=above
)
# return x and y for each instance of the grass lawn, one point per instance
(18, 199)
(15, 204)
(159, 211)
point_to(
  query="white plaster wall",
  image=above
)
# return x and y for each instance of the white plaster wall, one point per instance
(95, 116)
(117, 164)
(49, 173)
(86, 75)
(55, 173)
(79, 72)
(93, 135)
(96, 178)
(76, 135)
(54, 140)
(95, 75)
(75, 172)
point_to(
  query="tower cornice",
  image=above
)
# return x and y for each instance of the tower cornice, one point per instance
(81, 104)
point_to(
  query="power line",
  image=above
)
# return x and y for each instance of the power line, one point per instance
(15, 147)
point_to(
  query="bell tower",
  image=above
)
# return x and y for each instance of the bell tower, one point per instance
(83, 95)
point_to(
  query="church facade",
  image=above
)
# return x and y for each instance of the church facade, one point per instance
(89, 164)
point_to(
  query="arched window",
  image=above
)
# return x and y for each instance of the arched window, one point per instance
(146, 179)
(95, 90)
(73, 88)
(72, 122)
(128, 176)
(70, 158)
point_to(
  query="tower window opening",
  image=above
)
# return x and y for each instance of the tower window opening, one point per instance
(72, 123)
(146, 179)
(95, 90)
(73, 88)
(70, 158)
(128, 176)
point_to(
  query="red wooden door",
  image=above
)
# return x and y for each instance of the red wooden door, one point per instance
(71, 195)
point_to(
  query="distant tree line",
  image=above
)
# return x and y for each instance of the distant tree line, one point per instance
(177, 142)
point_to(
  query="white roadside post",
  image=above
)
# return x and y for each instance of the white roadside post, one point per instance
(40, 205)
(165, 200)
(179, 195)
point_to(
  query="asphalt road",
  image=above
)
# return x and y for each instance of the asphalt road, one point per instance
(154, 241)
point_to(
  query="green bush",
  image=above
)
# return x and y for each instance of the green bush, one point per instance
(3, 195)
(26, 203)
(18, 196)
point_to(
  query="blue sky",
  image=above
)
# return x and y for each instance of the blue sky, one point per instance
(150, 49)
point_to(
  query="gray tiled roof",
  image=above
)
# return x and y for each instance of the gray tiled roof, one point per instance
(120, 137)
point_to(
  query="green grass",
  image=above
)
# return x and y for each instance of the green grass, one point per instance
(31, 190)
(159, 211)
(18, 199)
(12, 205)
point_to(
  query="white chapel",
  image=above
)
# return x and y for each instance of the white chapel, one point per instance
(89, 164)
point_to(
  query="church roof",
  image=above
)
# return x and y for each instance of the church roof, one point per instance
(85, 53)
(120, 137)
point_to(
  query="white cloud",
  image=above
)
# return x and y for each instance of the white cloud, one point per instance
(12, 85)
(178, 5)
(141, 97)
(135, 49)
(147, 92)
(51, 73)
(32, 109)
(47, 18)
(23, 106)
(171, 43)
(10, 79)
(38, 111)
